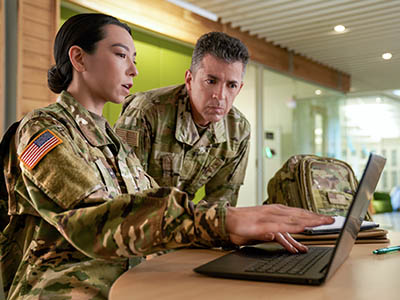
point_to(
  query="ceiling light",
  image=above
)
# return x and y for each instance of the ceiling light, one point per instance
(318, 131)
(387, 55)
(396, 92)
(318, 92)
(339, 28)
(291, 103)
(197, 10)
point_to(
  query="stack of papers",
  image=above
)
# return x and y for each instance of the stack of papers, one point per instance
(336, 226)
(327, 234)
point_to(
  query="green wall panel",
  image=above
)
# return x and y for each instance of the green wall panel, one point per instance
(66, 13)
(160, 63)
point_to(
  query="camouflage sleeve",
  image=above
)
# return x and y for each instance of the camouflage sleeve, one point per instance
(64, 189)
(141, 224)
(135, 128)
(225, 185)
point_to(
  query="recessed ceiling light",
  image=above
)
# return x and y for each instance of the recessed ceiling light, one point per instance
(318, 92)
(339, 28)
(387, 55)
(291, 103)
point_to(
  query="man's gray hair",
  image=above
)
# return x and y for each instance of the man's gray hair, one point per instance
(221, 46)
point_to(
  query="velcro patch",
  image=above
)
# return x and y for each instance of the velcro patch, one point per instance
(38, 148)
(335, 198)
(129, 136)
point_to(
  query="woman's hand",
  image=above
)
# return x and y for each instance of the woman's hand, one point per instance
(271, 222)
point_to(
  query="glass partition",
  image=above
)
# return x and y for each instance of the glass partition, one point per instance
(299, 118)
(303, 118)
(372, 123)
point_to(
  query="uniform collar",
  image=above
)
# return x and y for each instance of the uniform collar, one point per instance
(186, 130)
(84, 120)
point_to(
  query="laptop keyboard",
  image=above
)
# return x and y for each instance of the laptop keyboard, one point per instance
(286, 263)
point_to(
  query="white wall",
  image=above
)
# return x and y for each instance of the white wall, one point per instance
(278, 91)
(246, 103)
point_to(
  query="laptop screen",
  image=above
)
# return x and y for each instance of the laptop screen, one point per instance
(357, 211)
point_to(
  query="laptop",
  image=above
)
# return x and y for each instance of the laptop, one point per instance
(314, 267)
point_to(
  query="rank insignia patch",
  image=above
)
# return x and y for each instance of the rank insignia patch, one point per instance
(38, 148)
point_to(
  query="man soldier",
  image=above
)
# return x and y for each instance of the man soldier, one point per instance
(190, 135)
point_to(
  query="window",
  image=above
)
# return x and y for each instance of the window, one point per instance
(394, 157)
(318, 134)
(384, 180)
(394, 178)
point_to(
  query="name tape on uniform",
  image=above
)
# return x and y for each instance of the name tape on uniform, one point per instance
(38, 148)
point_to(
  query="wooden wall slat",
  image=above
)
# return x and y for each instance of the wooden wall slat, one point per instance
(34, 75)
(36, 45)
(38, 14)
(262, 51)
(36, 30)
(304, 68)
(35, 92)
(35, 60)
(44, 4)
(346, 82)
(37, 23)
(172, 21)
(31, 104)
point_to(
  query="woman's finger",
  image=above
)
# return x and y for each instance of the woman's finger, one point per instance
(280, 238)
(299, 246)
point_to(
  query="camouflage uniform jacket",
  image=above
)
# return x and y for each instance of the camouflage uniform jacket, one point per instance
(87, 206)
(158, 124)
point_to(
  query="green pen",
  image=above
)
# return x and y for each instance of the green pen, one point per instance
(386, 250)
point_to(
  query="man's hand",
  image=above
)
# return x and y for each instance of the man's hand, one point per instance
(271, 222)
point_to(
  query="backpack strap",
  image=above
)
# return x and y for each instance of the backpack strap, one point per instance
(4, 149)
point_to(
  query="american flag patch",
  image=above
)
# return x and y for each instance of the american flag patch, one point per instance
(129, 136)
(38, 148)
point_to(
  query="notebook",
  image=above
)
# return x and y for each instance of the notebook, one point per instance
(314, 267)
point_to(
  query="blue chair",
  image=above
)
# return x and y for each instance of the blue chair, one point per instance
(395, 195)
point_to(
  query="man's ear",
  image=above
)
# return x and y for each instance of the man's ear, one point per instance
(188, 80)
(76, 56)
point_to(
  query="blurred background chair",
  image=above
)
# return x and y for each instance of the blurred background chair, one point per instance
(387, 212)
(382, 202)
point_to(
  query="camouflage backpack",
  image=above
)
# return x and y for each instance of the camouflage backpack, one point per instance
(7, 245)
(320, 184)
(4, 147)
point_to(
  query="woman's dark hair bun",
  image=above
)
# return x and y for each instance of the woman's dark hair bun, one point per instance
(56, 81)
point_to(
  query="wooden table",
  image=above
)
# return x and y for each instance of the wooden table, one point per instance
(363, 276)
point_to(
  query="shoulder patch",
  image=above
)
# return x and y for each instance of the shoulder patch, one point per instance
(129, 136)
(38, 148)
